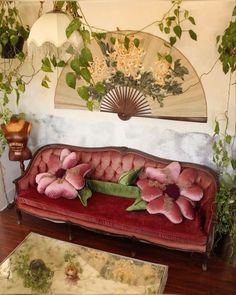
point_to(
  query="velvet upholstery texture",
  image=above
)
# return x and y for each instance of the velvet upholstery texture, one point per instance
(108, 213)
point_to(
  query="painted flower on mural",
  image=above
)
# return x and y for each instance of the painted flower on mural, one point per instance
(127, 59)
(171, 192)
(64, 177)
(122, 65)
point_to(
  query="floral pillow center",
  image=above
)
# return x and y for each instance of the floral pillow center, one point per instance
(65, 177)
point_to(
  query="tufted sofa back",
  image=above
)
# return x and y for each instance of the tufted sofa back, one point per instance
(107, 163)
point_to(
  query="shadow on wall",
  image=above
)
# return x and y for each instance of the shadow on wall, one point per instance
(189, 147)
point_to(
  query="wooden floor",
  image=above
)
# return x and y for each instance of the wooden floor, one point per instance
(185, 274)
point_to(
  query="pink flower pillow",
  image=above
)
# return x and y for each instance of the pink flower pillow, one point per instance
(64, 177)
(171, 192)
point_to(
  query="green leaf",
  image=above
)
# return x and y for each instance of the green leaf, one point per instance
(75, 65)
(44, 84)
(168, 58)
(20, 56)
(100, 88)
(233, 164)
(136, 42)
(21, 87)
(176, 12)
(228, 139)
(14, 39)
(84, 194)
(193, 35)
(178, 31)
(86, 36)
(192, 20)
(186, 14)
(225, 68)
(17, 97)
(139, 204)
(172, 40)
(90, 105)
(99, 36)
(161, 27)
(234, 11)
(83, 92)
(74, 25)
(71, 80)
(1, 77)
(167, 30)
(54, 61)
(86, 54)
(217, 39)
(126, 42)
(217, 128)
(113, 40)
(85, 74)
(61, 63)
(46, 65)
(0, 48)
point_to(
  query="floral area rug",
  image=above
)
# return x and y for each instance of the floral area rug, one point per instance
(42, 265)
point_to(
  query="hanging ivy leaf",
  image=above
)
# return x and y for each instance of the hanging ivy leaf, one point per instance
(14, 39)
(217, 128)
(193, 35)
(75, 65)
(126, 42)
(71, 80)
(172, 40)
(74, 25)
(85, 74)
(86, 54)
(233, 164)
(178, 31)
(168, 58)
(83, 92)
(161, 27)
(136, 42)
(113, 40)
(85, 34)
(192, 20)
(90, 105)
(100, 88)
(46, 65)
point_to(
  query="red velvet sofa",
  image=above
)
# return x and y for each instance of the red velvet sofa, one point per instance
(108, 213)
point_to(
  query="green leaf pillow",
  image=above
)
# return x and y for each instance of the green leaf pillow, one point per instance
(129, 177)
(139, 204)
(84, 194)
(114, 189)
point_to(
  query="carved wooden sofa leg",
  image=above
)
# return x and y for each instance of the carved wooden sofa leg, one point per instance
(133, 245)
(70, 236)
(205, 261)
(19, 216)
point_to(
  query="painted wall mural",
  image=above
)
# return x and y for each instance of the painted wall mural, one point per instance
(142, 79)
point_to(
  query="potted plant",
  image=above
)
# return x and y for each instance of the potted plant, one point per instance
(224, 152)
(12, 32)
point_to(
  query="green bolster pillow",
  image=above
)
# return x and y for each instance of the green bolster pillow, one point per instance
(114, 189)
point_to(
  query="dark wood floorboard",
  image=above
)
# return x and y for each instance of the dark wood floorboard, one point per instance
(185, 273)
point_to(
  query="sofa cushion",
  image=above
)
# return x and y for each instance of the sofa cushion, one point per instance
(108, 213)
(114, 189)
(64, 177)
(129, 177)
(171, 192)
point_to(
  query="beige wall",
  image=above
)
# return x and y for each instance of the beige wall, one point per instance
(211, 18)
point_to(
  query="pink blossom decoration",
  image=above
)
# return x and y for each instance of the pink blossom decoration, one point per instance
(64, 177)
(171, 192)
